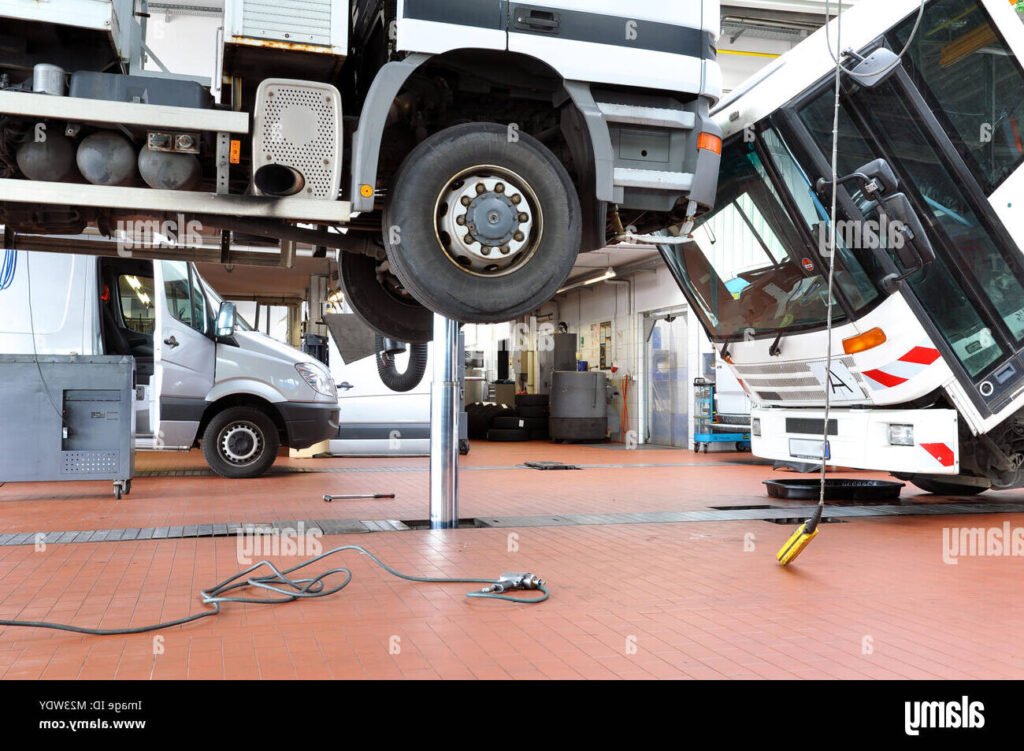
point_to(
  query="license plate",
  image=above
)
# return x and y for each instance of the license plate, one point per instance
(808, 448)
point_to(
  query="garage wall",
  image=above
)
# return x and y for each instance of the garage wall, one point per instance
(653, 290)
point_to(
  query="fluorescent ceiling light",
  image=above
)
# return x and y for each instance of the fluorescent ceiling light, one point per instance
(608, 274)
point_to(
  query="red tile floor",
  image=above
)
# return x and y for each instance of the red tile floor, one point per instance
(871, 598)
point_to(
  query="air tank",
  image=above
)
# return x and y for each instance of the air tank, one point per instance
(106, 158)
(51, 158)
(166, 170)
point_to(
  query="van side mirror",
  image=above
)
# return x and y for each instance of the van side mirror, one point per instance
(226, 319)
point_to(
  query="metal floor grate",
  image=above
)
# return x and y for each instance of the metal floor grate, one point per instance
(353, 526)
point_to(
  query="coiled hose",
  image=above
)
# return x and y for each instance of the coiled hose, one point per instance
(414, 371)
(289, 589)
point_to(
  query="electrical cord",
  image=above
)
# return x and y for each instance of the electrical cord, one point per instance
(35, 350)
(815, 520)
(291, 589)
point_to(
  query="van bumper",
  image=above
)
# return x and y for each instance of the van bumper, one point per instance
(307, 424)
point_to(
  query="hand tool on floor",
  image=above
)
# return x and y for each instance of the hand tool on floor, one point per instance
(357, 497)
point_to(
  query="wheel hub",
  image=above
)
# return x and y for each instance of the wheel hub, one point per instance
(488, 222)
(240, 443)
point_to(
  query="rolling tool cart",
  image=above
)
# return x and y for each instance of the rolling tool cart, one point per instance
(713, 427)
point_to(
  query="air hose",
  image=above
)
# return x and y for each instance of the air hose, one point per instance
(290, 589)
(388, 372)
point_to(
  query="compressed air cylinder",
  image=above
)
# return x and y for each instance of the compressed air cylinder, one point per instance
(106, 158)
(169, 171)
(51, 158)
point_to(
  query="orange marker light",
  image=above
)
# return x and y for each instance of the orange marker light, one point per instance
(366, 191)
(867, 340)
(709, 142)
(235, 152)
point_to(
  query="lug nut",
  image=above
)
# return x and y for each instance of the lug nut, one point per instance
(523, 216)
(505, 250)
(517, 199)
(461, 220)
(468, 240)
(465, 201)
(499, 188)
(480, 188)
(485, 250)
(519, 236)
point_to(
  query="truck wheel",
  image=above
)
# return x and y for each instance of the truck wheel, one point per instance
(481, 227)
(375, 295)
(240, 442)
(939, 487)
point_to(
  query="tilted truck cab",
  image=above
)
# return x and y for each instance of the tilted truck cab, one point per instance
(204, 377)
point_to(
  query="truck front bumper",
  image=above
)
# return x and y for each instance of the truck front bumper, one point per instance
(860, 438)
(309, 423)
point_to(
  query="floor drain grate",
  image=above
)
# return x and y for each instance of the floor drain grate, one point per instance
(549, 465)
(794, 520)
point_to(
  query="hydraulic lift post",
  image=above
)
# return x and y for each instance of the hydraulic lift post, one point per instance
(445, 405)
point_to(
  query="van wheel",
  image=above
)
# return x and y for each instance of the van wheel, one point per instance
(481, 227)
(240, 442)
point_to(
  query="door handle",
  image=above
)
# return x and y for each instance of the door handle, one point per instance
(345, 386)
(171, 341)
(537, 20)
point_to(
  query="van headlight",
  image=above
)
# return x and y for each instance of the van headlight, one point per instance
(318, 379)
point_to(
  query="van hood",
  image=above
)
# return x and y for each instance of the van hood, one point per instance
(262, 344)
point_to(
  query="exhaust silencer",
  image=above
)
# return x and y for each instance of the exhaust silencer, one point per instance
(278, 180)
(297, 139)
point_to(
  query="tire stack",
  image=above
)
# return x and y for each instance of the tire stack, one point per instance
(532, 413)
(481, 415)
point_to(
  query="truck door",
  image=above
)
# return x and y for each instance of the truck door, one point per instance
(650, 43)
(436, 27)
(185, 353)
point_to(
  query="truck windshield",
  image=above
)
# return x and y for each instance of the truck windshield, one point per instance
(753, 266)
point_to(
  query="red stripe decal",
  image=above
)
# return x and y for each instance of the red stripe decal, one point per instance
(942, 453)
(921, 356)
(886, 379)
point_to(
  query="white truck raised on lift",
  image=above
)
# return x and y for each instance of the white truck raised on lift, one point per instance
(469, 149)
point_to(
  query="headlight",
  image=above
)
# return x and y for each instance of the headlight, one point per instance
(901, 435)
(755, 427)
(318, 379)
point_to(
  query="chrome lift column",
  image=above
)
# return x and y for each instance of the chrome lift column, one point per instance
(445, 405)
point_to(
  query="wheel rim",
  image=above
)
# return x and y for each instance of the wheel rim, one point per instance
(488, 221)
(240, 443)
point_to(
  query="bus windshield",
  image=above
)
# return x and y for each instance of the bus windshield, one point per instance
(754, 267)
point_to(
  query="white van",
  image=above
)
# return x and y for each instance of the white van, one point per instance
(204, 377)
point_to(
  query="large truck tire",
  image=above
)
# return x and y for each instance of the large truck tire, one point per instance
(240, 442)
(481, 226)
(376, 299)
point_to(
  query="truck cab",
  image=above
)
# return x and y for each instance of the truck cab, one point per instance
(204, 376)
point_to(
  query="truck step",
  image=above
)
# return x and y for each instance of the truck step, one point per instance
(652, 116)
(678, 182)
